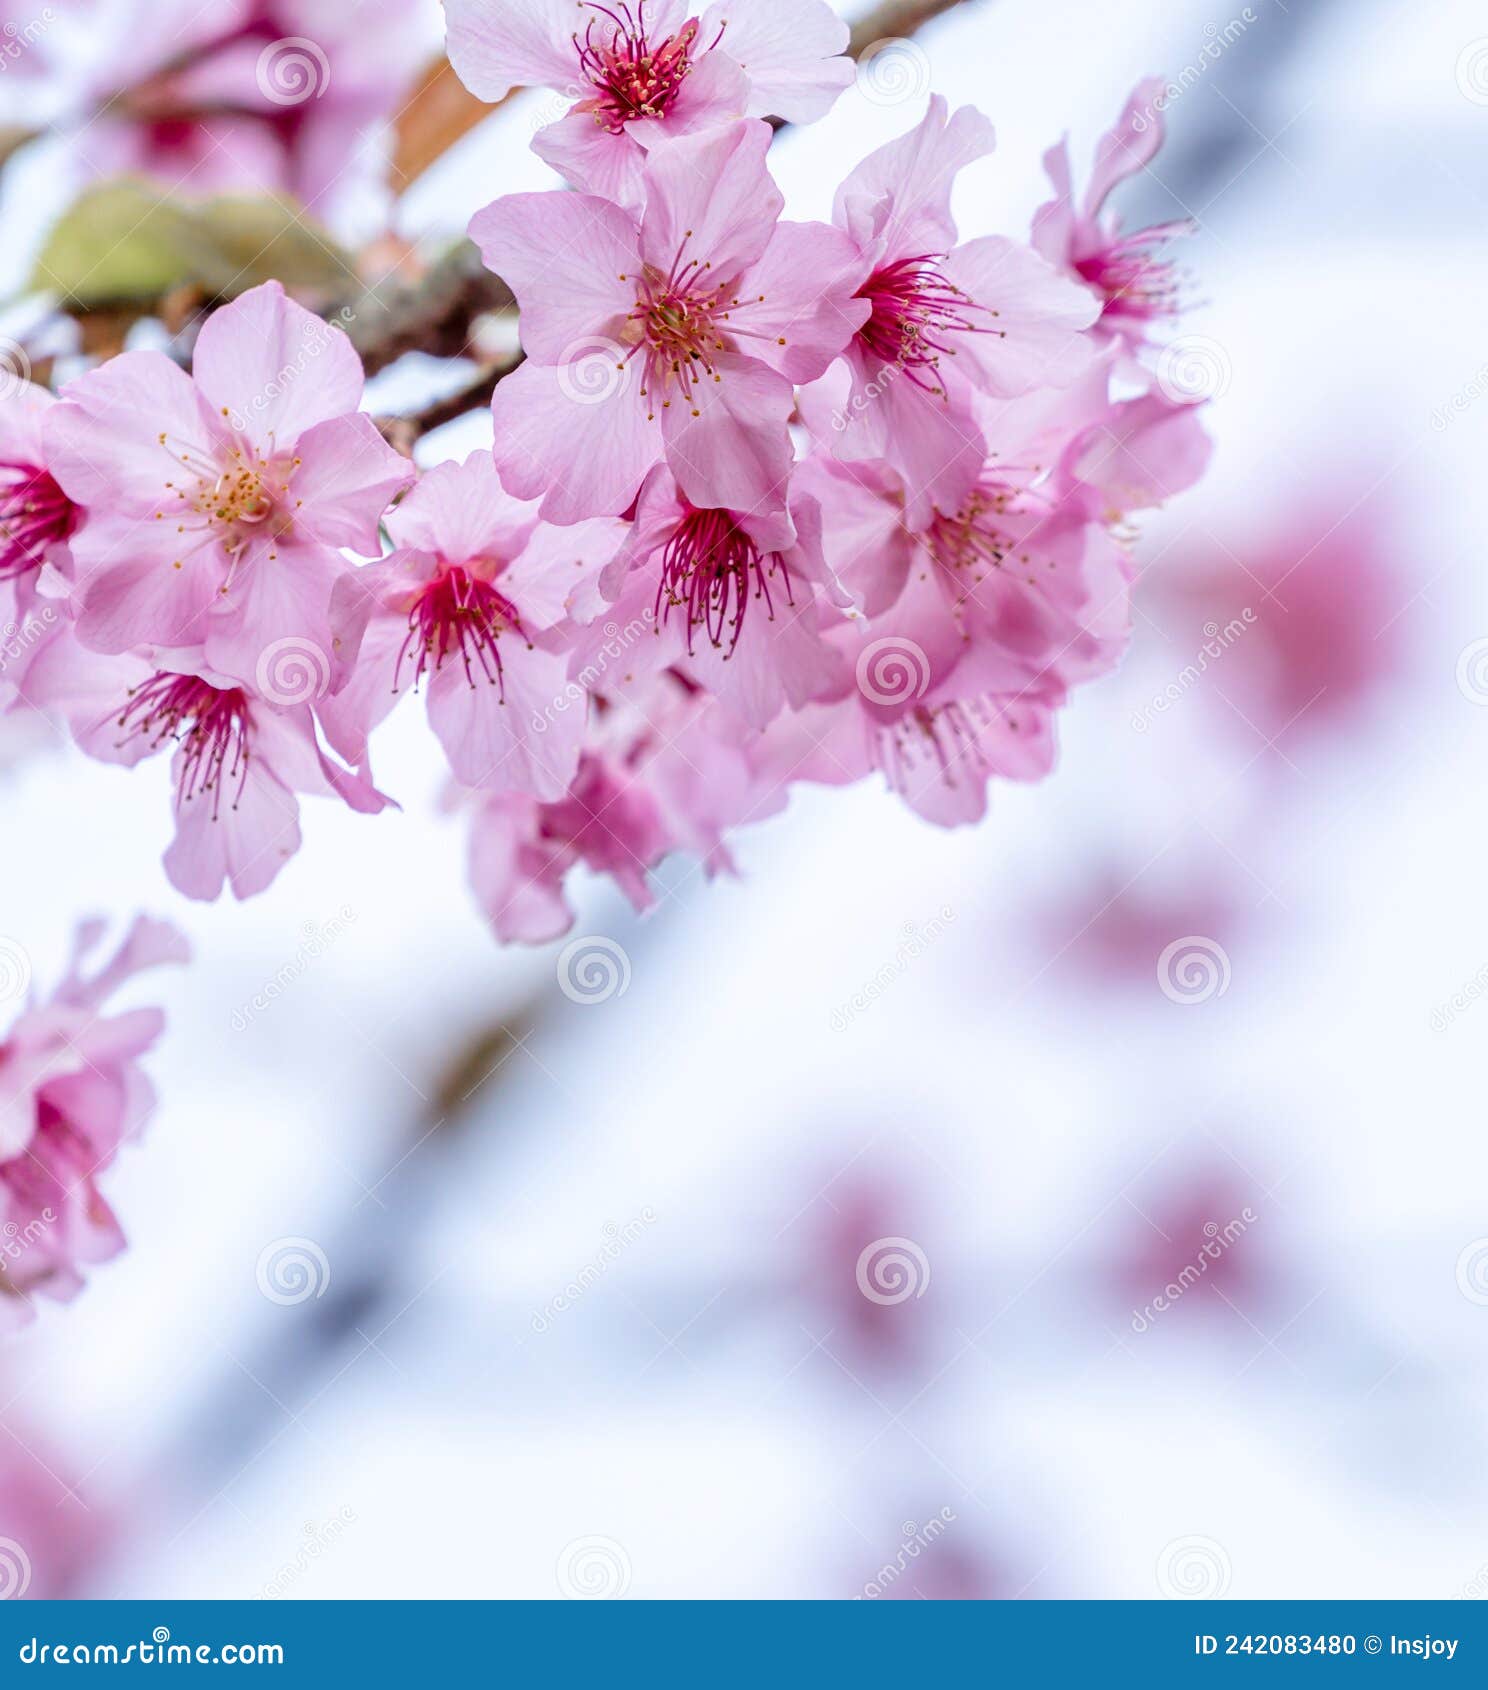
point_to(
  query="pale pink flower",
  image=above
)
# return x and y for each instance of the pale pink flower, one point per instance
(1135, 281)
(471, 600)
(238, 763)
(215, 505)
(736, 600)
(266, 96)
(50, 1538)
(676, 335)
(944, 320)
(667, 775)
(71, 1093)
(643, 71)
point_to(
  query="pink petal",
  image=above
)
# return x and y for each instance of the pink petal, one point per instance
(709, 197)
(791, 50)
(899, 197)
(514, 44)
(346, 476)
(736, 453)
(1039, 318)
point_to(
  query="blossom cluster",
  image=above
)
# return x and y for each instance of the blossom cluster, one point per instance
(768, 501)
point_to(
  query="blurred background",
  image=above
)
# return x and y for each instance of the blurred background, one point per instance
(1091, 1203)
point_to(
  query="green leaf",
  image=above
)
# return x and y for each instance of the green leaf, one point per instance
(128, 243)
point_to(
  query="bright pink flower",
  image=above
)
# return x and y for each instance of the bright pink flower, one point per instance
(735, 600)
(944, 320)
(671, 775)
(36, 516)
(470, 601)
(645, 71)
(71, 1093)
(216, 504)
(674, 336)
(1136, 283)
(237, 766)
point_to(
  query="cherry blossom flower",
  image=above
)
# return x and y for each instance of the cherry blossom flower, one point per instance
(736, 600)
(1135, 281)
(71, 1093)
(36, 516)
(677, 335)
(269, 96)
(666, 775)
(477, 582)
(215, 504)
(645, 72)
(237, 766)
(944, 320)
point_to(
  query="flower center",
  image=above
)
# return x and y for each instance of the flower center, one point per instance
(458, 614)
(235, 492)
(914, 309)
(1133, 278)
(209, 723)
(632, 76)
(711, 568)
(34, 513)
